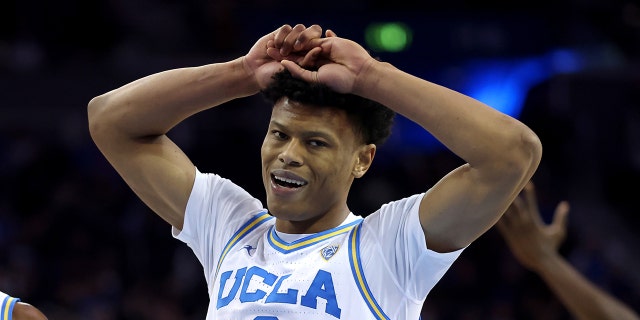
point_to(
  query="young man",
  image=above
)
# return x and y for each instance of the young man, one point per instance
(12, 308)
(308, 256)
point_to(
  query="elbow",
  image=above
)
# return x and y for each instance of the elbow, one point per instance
(517, 156)
(97, 117)
(526, 154)
(532, 147)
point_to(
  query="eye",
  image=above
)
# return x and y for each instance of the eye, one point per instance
(279, 135)
(317, 143)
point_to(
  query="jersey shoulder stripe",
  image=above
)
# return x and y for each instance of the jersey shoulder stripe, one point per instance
(245, 229)
(6, 309)
(358, 274)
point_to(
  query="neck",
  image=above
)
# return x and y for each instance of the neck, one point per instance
(314, 225)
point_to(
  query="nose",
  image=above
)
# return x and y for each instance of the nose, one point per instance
(291, 153)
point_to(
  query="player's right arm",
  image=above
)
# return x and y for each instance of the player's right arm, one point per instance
(130, 124)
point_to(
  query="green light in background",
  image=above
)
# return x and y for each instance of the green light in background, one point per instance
(388, 36)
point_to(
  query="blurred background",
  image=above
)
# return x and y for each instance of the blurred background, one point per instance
(76, 242)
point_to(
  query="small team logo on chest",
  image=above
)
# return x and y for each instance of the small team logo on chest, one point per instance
(328, 251)
(250, 249)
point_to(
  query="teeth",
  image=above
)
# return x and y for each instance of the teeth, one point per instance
(296, 182)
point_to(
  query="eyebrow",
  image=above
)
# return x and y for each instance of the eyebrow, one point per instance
(306, 134)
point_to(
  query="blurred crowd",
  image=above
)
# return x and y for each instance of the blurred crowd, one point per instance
(75, 241)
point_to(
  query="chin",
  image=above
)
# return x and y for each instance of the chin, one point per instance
(278, 211)
(284, 212)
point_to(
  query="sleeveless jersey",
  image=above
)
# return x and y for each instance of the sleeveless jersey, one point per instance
(372, 268)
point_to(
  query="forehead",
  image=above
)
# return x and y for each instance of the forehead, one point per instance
(290, 113)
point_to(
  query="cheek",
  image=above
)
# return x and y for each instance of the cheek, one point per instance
(265, 160)
(264, 146)
(342, 168)
(266, 151)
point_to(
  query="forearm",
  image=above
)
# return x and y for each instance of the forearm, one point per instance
(581, 297)
(474, 131)
(153, 105)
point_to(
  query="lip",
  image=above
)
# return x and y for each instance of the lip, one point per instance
(285, 174)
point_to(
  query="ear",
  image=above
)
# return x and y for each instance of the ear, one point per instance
(364, 159)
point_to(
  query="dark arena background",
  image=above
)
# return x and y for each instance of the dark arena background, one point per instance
(76, 242)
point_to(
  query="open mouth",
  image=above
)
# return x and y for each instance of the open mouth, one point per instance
(287, 182)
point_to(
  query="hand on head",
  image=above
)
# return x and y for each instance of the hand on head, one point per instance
(293, 43)
(333, 61)
(264, 58)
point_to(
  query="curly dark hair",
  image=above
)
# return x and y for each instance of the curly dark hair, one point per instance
(371, 119)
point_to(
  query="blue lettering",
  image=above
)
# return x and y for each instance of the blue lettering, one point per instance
(268, 279)
(290, 297)
(322, 287)
(234, 290)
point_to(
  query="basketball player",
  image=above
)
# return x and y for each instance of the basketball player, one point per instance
(308, 256)
(12, 308)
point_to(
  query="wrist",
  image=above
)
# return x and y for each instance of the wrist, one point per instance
(370, 80)
(242, 78)
(547, 263)
(368, 77)
(247, 78)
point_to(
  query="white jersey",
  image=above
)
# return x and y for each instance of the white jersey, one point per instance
(373, 268)
(7, 303)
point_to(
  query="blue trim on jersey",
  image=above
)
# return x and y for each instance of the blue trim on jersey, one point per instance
(358, 274)
(249, 226)
(286, 247)
(6, 309)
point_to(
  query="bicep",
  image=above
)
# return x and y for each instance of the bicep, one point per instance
(463, 205)
(158, 171)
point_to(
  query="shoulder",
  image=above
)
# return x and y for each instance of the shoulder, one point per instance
(25, 311)
(7, 301)
(395, 217)
(407, 204)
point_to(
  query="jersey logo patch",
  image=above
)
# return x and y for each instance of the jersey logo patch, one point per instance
(249, 249)
(328, 251)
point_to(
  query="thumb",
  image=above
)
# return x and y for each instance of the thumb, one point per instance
(560, 215)
(558, 227)
(299, 72)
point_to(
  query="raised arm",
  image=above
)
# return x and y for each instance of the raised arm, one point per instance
(129, 124)
(535, 245)
(501, 152)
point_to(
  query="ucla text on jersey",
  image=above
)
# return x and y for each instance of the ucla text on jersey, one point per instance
(313, 277)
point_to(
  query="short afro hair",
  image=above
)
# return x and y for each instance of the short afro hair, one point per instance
(370, 118)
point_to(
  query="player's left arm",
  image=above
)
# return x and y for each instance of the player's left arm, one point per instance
(501, 152)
